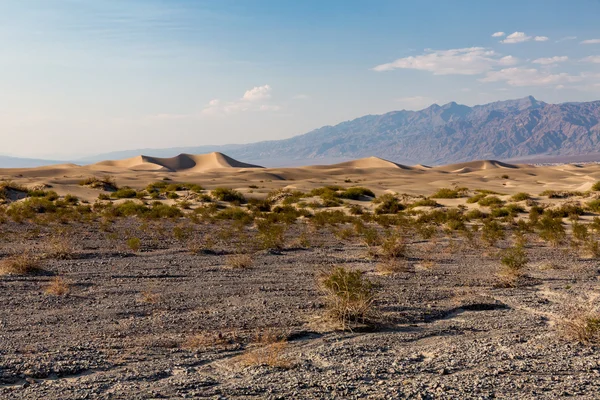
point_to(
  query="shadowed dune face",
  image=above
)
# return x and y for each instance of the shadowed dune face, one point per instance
(218, 170)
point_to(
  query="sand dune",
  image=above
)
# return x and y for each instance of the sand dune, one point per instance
(381, 176)
(476, 166)
(370, 162)
(182, 162)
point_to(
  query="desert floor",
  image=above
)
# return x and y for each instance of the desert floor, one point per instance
(206, 304)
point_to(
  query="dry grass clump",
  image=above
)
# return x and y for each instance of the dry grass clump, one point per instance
(514, 260)
(213, 341)
(21, 264)
(349, 296)
(150, 297)
(239, 261)
(270, 352)
(60, 248)
(391, 266)
(57, 287)
(582, 324)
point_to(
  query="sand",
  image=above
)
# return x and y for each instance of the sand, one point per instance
(382, 176)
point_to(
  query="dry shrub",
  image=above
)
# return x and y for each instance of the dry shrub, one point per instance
(270, 351)
(514, 260)
(213, 341)
(392, 266)
(239, 261)
(150, 297)
(21, 264)
(582, 324)
(60, 248)
(203, 244)
(349, 296)
(57, 287)
(393, 246)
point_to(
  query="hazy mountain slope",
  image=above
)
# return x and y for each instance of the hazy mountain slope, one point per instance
(17, 162)
(449, 133)
(514, 129)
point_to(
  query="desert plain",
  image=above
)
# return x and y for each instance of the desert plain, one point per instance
(200, 276)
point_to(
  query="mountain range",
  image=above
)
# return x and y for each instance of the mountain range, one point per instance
(522, 129)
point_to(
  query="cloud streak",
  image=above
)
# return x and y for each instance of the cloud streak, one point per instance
(465, 61)
(550, 60)
(520, 77)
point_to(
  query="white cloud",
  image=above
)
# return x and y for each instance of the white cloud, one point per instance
(466, 61)
(592, 59)
(529, 77)
(253, 100)
(415, 102)
(517, 37)
(540, 38)
(498, 34)
(258, 93)
(550, 60)
(591, 41)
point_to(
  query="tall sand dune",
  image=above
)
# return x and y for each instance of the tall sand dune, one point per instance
(182, 162)
(473, 166)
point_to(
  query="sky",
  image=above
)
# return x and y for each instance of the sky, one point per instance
(82, 77)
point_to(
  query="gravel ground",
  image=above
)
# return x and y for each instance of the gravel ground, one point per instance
(166, 323)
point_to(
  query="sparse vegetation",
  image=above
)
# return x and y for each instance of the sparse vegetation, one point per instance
(349, 296)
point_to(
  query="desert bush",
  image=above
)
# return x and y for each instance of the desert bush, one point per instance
(555, 194)
(20, 264)
(521, 196)
(57, 287)
(446, 193)
(228, 195)
(393, 245)
(580, 231)
(551, 229)
(581, 323)
(425, 203)
(388, 204)
(474, 199)
(259, 205)
(59, 247)
(514, 260)
(391, 266)
(594, 205)
(564, 211)
(134, 243)
(596, 187)
(355, 209)
(239, 261)
(124, 193)
(236, 214)
(492, 231)
(323, 218)
(349, 296)
(270, 236)
(490, 201)
(355, 193)
(475, 214)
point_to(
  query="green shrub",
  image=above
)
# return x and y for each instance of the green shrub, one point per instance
(521, 196)
(228, 195)
(124, 193)
(594, 205)
(355, 193)
(446, 193)
(134, 244)
(490, 201)
(551, 229)
(596, 187)
(388, 204)
(349, 296)
(476, 198)
(425, 203)
(492, 231)
(270, 236)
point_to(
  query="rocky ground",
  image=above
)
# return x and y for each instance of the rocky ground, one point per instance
(164, 322)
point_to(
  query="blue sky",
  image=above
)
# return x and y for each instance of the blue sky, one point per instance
(81, 77)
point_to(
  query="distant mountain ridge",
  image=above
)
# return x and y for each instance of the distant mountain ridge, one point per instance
(521, 129)
(505, 130)
(450, 133)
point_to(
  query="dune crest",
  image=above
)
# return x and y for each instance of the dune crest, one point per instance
(182, 162)
(479, 165)
(370, 162)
